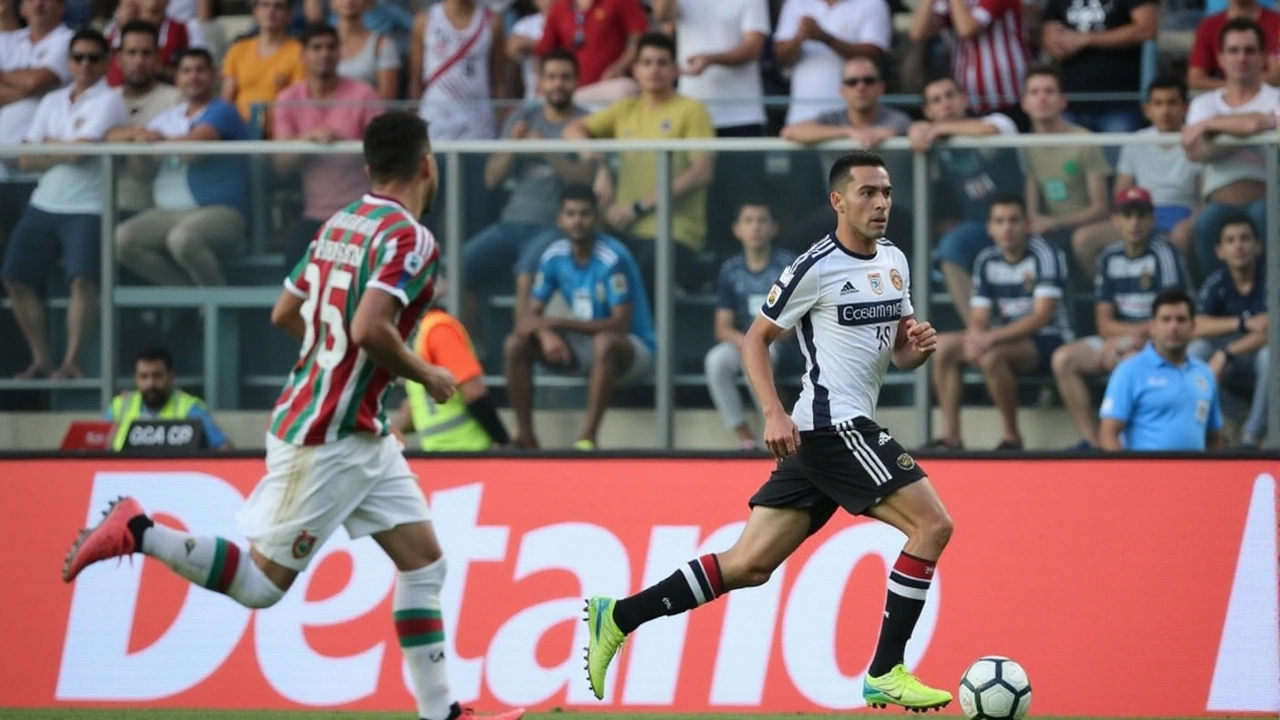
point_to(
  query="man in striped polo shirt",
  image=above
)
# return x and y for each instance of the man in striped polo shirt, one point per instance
(352, 301)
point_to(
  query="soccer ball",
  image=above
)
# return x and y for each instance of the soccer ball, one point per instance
(995, 688)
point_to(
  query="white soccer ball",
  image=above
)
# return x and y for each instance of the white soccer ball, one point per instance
(995, 688)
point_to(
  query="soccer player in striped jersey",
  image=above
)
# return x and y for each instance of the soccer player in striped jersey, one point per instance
(352, 301)
(849, 295)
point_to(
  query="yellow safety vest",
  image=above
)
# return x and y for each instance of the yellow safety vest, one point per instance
(443, 426)
(127, 407)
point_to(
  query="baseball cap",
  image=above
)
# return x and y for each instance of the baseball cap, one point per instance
(1133, 197)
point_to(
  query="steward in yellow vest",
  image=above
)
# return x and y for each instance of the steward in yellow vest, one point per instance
(467, 421)
(156, 397)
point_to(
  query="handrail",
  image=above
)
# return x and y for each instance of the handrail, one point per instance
(256, 147)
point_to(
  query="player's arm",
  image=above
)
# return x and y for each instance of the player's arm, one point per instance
(374, 330)
(758, 366)
(450, 347)
(1104, 315)
(1109, 434)
(287, 314)
(1040, 316)
(915, 343)
(1117, 407)
(979, 318)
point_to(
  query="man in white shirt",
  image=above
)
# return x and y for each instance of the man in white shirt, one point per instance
(815, 37)
(65, 211)
(719, 45)
(145, 96)
(1234, 178)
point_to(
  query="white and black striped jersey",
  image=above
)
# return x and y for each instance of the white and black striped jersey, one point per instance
(1009, 289)
(847, 307)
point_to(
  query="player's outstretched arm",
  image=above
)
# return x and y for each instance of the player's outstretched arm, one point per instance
(374, 330)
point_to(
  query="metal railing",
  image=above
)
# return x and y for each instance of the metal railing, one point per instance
(115, 297)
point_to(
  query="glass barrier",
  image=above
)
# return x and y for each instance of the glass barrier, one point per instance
(196, 245)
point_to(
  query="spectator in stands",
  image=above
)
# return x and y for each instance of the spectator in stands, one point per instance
(990, 54)
(1232, 330)
(1066, 186)
(9, 16)
(974, 177)
(744, 284)
(1163, 170)
(863, 119)
(605, 37)
(609, 336)
(173, 36)
(1162, 398)
(719, 46)
(523, 44)
(1203, 70)
(1099, 45)
(528, 222)
(1019, 318)
(366, 56)
(65, 211)
(33, 61)
(201, 203)
(325, 108)
(1130, 274)
(145, 96)
(815, 37)
(1234, 178)
(258, 67)
(155, 397)
(659, 113)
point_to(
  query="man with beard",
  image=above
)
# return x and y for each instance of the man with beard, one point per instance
(156, 397)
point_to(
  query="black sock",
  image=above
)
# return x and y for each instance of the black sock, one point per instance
(908, 586)
(695, 583)
(139, 525)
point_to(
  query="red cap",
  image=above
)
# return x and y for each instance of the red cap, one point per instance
(1132, 196)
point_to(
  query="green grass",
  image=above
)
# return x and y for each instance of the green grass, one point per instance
(134, 714)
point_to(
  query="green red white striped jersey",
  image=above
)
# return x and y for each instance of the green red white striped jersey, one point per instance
(334, 389)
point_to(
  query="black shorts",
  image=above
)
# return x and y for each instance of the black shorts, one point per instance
(853, 465)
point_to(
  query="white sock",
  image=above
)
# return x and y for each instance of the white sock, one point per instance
(420, 628)
(213, 563)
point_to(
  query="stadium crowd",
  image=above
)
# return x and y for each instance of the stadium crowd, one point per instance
(1015, 231)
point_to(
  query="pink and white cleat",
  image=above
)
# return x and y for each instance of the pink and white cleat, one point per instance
(471, 714)
(111, 538)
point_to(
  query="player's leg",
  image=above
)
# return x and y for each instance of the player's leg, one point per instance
(785, 511)
(1255, 424)
(957, 251)
(999, 366)
(947, 369)
(520, 353)
(1088, 242)
(611, 357)
(1072, 365)
(723, 367)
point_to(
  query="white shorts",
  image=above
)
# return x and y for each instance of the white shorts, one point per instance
(360, 482)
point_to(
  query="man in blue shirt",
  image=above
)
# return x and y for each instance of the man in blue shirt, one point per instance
(1162, 398)
(155, 397)
(609, 334)
(1129, 275)
(1017, 319)
(1232, 330)
(744, 284)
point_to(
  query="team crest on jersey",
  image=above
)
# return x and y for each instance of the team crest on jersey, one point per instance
(895, 277)
(1144, 280)
(877, 285)
(1029, 280)
(775, 292)
(414, 262)
(619, 284)
(906, 462)
(1202, 383)
(303, 545)
(80, 121)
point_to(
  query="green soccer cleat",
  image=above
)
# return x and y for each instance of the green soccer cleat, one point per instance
(604, 639)
(899, 687)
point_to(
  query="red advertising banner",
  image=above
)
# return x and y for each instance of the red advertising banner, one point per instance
(1143, 588)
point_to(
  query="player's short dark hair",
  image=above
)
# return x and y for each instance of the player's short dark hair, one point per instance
(1043, 71)
(934, 79)
(317, 30)
(1008, 198)
(656, 40)
(1168, 82)
(839, 174)
(195, 52)
(1241, 24)
(751, 201)
(155, 353)
(140, 27)
(93, 36)
(394, 145)
(1236, 217)
(1173, 296)
(578, 192)
(560, 55)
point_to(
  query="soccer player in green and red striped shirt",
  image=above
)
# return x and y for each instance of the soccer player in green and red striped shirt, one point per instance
(352, 301)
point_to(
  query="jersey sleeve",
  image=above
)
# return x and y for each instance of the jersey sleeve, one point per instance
(981, 297)
(296, 282)
(604, 123)
(1202, 48)
(1052, 280)
(544, 282)
(449, 348)
(1117, 402)
(726, 297)
(406, 263)
(788, 21)
(1209, 302)
(1104, 289)
(1214, 421)
(907, 308)
(618, 290)
(793, 295)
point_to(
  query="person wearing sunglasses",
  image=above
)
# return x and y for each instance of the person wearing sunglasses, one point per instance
(65, 212)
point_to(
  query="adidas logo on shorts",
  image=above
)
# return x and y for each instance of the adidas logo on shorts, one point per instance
(848, 288)
(884, 438)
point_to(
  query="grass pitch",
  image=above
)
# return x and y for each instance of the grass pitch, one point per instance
(135, 714)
